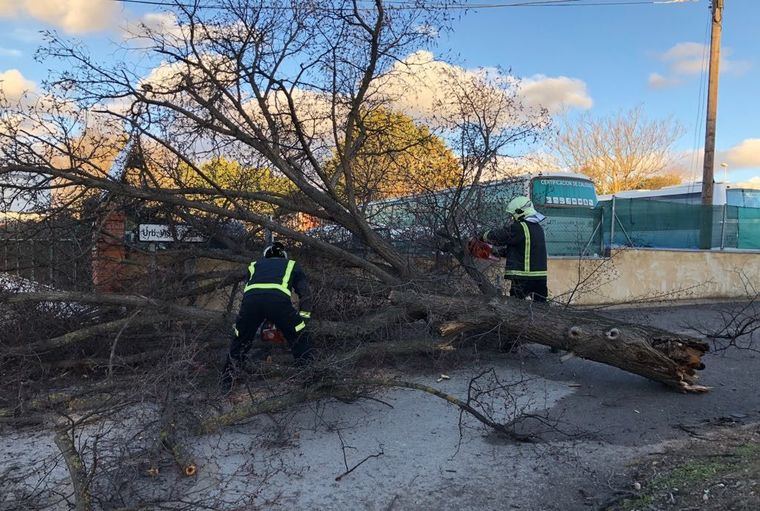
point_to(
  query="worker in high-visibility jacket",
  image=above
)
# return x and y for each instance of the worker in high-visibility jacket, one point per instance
(267, 296)
(523, 243)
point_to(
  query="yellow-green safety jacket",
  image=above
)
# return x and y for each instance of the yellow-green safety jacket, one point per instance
(278, 276)
(524, 246)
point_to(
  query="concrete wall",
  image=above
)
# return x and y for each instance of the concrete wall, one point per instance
(655, 275)
(630, 275)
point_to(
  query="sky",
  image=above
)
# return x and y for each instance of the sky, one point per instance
(596, 59)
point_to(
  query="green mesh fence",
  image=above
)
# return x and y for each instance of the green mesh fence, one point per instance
(649, 223)
(582, 231)
(573, 231)
(658, 224)
(748, 228)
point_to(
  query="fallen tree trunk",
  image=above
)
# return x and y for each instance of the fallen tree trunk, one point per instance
(88, 332)
(126, 300)
(644, 350)
(647, 351)
(357, 328)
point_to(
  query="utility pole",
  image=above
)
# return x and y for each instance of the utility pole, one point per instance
(712, 111)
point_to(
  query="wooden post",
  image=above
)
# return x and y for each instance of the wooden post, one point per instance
(712, 112)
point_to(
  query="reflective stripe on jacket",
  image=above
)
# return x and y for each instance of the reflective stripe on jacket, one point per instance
(278, 275)
(525, 249)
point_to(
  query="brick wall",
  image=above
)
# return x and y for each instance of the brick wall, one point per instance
(109, 254)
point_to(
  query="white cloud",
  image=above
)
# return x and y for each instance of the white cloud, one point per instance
(13, 85)
(73, 16)
(684, 51)
(420, 84)
(745, 155)
(172, 78)
(158, 23)
(657, 81)
(742, 156)
(8, 8)
(25, 35)
(556, 94)
(10, 52)
(753, 182)
(690, 58)
(417, 84)
(531, 163)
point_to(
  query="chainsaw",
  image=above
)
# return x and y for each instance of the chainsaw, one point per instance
(271, 334)
(481, 250)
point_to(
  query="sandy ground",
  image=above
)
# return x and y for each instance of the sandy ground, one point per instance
(604, 420)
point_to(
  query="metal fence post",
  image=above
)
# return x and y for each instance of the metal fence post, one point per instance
(723, 229)
(5, 250)
(601, 232)
(612, 224)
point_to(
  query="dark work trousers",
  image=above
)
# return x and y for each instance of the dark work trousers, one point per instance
(277, 308)
(535, 288)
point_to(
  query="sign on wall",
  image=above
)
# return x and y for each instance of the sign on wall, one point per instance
(168, 233)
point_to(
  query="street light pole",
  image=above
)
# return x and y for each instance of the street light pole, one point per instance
(725, 171)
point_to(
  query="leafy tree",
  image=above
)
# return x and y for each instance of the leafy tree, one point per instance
(231, 175)
(399, 157)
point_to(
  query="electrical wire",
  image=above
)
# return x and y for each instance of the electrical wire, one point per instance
(701, 117)
(442, 5)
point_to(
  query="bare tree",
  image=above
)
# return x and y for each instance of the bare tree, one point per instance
(280, 85)
(287, 91)
(625, 151)
(285, 86)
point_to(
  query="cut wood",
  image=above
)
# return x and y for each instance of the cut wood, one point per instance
(641, 349)
(170, 441)
(77, 472)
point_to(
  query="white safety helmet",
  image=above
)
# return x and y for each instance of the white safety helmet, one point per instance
(520, 208)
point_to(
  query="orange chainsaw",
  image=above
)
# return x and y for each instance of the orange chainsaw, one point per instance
(271, 334)
(481, 250)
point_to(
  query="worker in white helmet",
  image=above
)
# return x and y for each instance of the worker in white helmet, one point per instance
(523, 243)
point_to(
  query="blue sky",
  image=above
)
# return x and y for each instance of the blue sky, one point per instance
(615, 51)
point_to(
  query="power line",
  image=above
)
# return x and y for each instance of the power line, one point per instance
(701, 104)
(442, 6)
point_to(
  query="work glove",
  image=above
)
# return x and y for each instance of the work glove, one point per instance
(305, 315)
